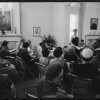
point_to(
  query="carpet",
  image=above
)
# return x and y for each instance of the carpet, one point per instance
(26, 86)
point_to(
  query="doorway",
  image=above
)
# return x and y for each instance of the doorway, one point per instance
(73, 24)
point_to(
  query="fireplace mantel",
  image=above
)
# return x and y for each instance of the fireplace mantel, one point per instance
(13, 39)
(90, 39)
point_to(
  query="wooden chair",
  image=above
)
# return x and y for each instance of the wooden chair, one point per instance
(7, 87)
(28, 73)
(79, 85)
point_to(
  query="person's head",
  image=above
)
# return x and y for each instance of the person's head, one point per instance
(22, 40)
(45, 52)
(64, 49)
(25, 44)
(54, 73)
(82, 40)
(75, 32)
(4, 43)
(86, 54)
(41, 44)
(96, 44)
(58, 52)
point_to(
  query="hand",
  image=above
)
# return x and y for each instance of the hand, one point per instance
(62, 91)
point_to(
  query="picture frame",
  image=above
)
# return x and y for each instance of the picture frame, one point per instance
(36, 31)
(6, 21)
(93, 23)
(90, 39)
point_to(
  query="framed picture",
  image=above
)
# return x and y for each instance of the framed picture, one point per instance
(6, 21)
(91, 39)
(93, 23)
(36, 31)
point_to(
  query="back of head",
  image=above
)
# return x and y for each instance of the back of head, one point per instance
(22, 40)
(41, 43)
(25, 44)
(53, 71)
(45, 52)
(4, 43)
(58, 52)
(87, 54)
(82, 40)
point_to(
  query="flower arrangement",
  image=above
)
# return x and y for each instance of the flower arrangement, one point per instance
(50, 40)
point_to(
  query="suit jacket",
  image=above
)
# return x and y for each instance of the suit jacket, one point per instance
(85, 70)
(23, 53)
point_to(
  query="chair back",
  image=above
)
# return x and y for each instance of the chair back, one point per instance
(42, 69)
(81, 87)
(28, 73)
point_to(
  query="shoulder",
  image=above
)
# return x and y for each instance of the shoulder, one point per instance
(42, 80)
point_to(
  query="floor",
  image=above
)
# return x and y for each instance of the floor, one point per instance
(26, 86)
(80, 88)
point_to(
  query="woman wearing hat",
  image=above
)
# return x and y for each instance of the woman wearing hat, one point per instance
(75, 36)
(4, 49)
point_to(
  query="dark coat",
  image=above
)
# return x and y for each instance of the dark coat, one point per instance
(23, 53)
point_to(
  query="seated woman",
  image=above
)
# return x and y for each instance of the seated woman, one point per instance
(9, 59)
(8, 68)
(27, 58)
(96, 46)
(20, 43)
(49, 85)
(44, 59)
(23, 53)
(30, 50)
(57, 59)
(57, 55)
(39, 49)
(4, 50)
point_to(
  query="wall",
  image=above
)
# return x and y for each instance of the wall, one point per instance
(53, 18)
(49, 16)
(58, 22)
(35, 15)
(74, 10)
(16, 17)
(92, 10)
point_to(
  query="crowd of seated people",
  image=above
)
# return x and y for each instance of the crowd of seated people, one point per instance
(84, 65)
(54, 81)
(49, 84)
(59, 58)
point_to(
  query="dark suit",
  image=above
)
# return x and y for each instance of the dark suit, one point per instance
(23, 53)
(85, 70)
